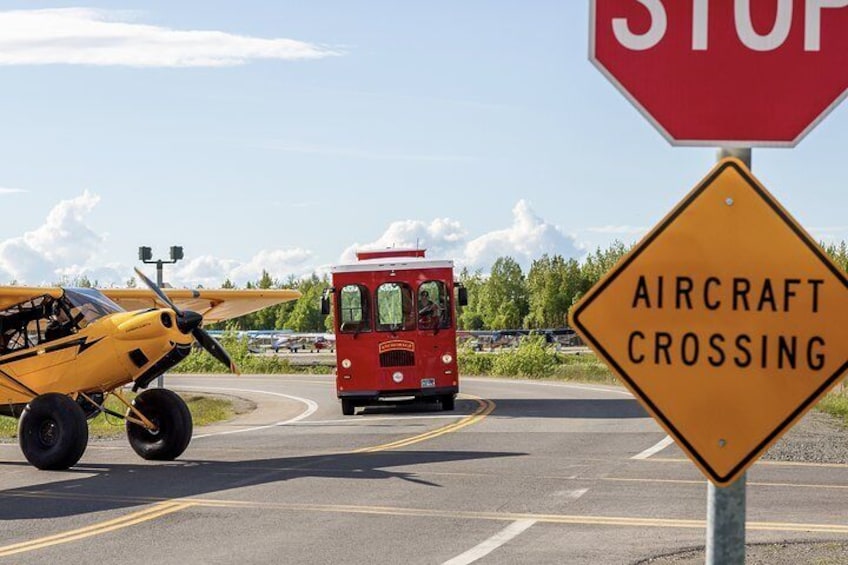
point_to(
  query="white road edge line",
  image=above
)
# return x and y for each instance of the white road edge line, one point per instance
(491, 544)
(311, 408)
(662, 444)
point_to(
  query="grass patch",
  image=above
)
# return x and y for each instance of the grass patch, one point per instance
(204, 410)
(583, 368)
(835, 403)
(532, 360)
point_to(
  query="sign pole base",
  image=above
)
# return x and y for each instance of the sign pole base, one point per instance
(726, 524)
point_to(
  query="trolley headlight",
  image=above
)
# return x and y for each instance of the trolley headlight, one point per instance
(397, 376)
(346, 363)
(447, 358)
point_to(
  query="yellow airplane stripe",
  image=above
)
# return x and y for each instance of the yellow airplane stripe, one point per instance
(155, 511)
(484, 408)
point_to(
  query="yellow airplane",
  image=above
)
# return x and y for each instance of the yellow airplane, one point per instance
(64, 351)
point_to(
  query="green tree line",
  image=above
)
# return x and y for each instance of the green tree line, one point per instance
(509, 299)
(301, 315)
(505, 299)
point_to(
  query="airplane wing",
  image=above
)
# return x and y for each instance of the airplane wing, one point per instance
(213, 305)
(12, 295)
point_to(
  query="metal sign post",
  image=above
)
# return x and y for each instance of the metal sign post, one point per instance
(726, 523)
(726, 505)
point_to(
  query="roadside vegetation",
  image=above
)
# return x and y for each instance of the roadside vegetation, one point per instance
(199, 361)
(835, 403)
(532, 359)
(204, 410)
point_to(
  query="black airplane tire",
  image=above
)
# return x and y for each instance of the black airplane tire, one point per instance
(348, 406)
(166, 410)
(53, 432)
(448, 402)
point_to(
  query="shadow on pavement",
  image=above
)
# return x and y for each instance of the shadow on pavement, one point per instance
(125, 486)
(567, 408)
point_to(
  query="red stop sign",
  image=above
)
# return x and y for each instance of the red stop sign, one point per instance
(725, 72)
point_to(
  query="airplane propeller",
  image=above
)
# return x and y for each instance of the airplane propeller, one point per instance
(188, 321)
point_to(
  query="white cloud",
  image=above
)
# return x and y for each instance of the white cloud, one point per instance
(62, 245)
(5, 190)
(111, 275)
(66, 248)
(442, 237)
(210, 271)
(86, 36)
(526, 239)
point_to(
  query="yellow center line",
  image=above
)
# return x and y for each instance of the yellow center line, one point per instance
(156, 511)
(485, 407)
(175, 505)
(515, 516)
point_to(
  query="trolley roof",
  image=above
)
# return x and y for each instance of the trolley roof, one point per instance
(392, 260)
(394, 264)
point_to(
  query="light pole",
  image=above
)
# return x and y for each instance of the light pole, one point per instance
(145, 255)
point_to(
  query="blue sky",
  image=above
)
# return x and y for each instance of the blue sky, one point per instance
(281, 135)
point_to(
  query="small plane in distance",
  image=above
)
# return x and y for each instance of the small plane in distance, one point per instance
(64, 351)
(295, 342)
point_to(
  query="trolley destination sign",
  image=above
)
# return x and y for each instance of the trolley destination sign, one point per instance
(727, 322)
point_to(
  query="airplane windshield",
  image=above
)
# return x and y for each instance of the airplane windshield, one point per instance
(87, 305)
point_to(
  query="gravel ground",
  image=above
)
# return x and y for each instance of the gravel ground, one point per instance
(824, 553)
(817, 438)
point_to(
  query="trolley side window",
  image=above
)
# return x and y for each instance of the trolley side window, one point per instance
(433, 306)
(394, 307)
(354, 313)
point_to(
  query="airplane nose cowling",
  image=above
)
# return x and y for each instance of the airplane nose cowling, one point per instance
(153, 324)
(188, 321)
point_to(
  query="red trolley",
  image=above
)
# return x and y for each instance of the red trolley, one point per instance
(395, 326)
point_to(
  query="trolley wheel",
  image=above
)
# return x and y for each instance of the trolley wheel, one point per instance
(170, 415)
(52, 432)
(448, 402)
(348, 406)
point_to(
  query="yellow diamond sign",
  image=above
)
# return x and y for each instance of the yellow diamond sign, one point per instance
(727, 322)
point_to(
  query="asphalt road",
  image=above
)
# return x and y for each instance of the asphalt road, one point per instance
(521, 472)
